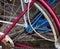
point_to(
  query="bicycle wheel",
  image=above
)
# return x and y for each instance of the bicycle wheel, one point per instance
(10, 12)
(8, 16)
(51, 31)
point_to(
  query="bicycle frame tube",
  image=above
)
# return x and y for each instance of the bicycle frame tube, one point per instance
(52, 12)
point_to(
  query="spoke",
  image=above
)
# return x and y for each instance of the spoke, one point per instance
(6, 3)
(4, 15)
(43, 29)
(13, 7)
(38, 27)
(25, 19)
(4, 8)
(6, 11)
(39, 16)
(8, 17)
(12, 23)
(58, 15)
(56, 5)
(13, 34)
(20, 33)
(16, 11)
(42, 22)
(19, 38)
(12, 10)
(10, 13)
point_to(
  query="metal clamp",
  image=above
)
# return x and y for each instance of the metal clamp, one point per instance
(27, 1)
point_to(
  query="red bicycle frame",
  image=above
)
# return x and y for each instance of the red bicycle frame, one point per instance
(25, 10)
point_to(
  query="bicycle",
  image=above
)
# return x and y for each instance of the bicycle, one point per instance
(48, 22)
